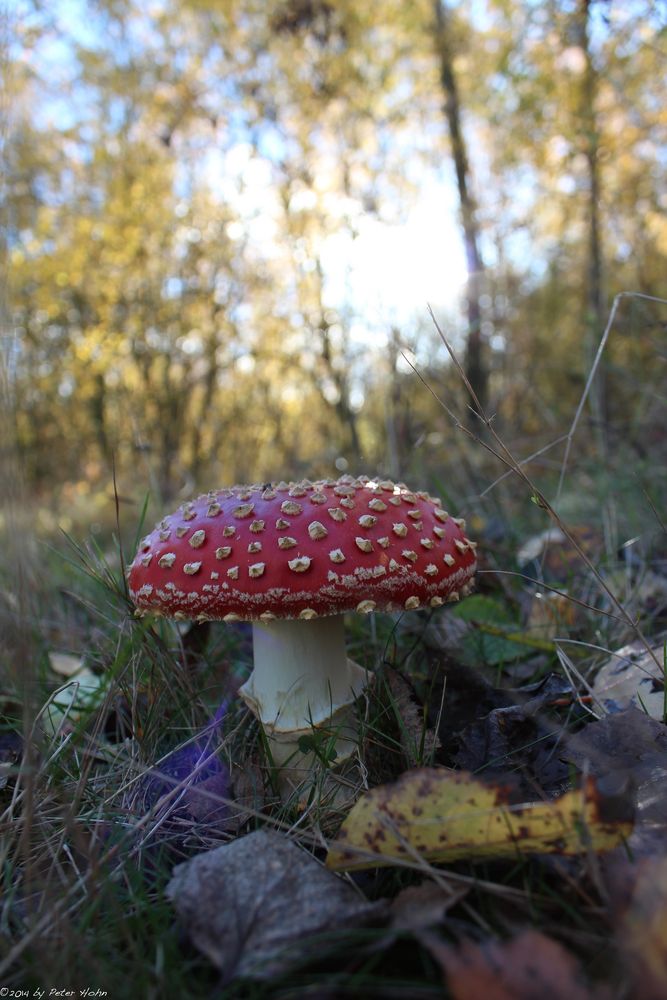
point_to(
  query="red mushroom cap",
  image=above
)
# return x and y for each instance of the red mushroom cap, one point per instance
(298, 550)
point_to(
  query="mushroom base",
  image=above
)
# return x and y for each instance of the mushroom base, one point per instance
(303, 684)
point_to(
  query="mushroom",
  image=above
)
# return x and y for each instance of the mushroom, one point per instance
(293, 558)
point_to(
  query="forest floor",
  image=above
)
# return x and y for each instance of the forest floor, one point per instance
(527, 721)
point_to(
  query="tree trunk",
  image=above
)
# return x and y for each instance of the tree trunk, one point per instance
(475, 360)
(98, 415)
(208, 388)
(595, 305)
(346, 415)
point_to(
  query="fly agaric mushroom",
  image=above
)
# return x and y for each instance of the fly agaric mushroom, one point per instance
(292, 558)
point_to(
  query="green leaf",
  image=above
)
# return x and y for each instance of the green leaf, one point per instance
(479, 647)
(482, 609)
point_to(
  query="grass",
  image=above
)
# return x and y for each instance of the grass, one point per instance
(90, 833)
(87, 855)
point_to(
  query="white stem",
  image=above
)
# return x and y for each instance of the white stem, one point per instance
(302, 675)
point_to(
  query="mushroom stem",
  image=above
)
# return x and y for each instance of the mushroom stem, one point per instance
(303, 680)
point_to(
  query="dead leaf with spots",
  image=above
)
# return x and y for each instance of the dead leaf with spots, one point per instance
(257, 905)
(443, 816)
(530, 967)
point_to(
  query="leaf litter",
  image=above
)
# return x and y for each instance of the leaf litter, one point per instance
(260, 904)
(253, 912)
(530, 966)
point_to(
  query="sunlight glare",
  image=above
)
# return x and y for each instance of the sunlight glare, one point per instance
(396, 271)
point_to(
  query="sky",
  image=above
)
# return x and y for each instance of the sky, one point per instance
(396, 271)
(389, 273)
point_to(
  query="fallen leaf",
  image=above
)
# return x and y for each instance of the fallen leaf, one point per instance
(519, 739)
(419, 907)
(632, 748)
(633, 677)
(254, 906)
(441, 815)
(507, 745)
(642, 931)
(65, 664)
(532, 966)
(624, 740)
(84, 692)
(459, 696)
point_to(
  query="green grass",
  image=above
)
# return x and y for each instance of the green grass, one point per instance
(86, 852)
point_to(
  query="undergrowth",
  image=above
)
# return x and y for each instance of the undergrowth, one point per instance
(100, 798)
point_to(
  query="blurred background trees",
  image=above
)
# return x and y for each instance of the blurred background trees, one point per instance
(205, 203)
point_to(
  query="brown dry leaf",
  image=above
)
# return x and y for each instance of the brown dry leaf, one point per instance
(441, 815)
(530, 967)
(642, 931)
(515, 742)
(254, 906)
(419, 907)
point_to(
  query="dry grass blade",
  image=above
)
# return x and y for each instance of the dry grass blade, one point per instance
(592, 373)
(504, 455)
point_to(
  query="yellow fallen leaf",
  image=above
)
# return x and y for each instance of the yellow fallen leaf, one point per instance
(441, 815)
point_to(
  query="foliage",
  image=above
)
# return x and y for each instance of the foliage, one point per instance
(181, 207)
